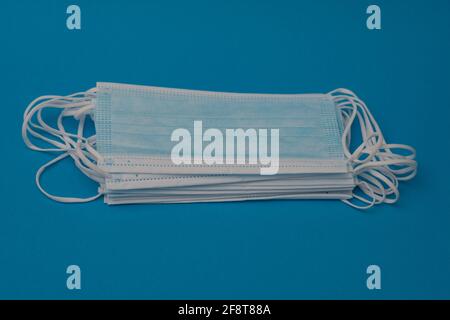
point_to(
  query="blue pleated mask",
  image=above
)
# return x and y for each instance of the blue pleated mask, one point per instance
(171, 145)
(135, 126)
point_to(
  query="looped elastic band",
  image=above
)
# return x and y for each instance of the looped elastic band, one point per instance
(80, 148)
(377, 168)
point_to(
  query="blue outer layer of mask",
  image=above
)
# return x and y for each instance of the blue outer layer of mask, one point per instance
(138, 121)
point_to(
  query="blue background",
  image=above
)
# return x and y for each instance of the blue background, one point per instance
(258, 250)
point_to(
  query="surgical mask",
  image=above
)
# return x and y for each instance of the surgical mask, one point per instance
(304, 139)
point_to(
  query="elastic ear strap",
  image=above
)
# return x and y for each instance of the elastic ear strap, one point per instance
(80, 148)
(376, 165)
(58, 198)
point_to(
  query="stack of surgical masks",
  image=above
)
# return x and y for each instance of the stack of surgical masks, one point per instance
(160, 145)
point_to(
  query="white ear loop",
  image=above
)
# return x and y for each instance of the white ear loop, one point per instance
(78, 147)
(377, 168)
